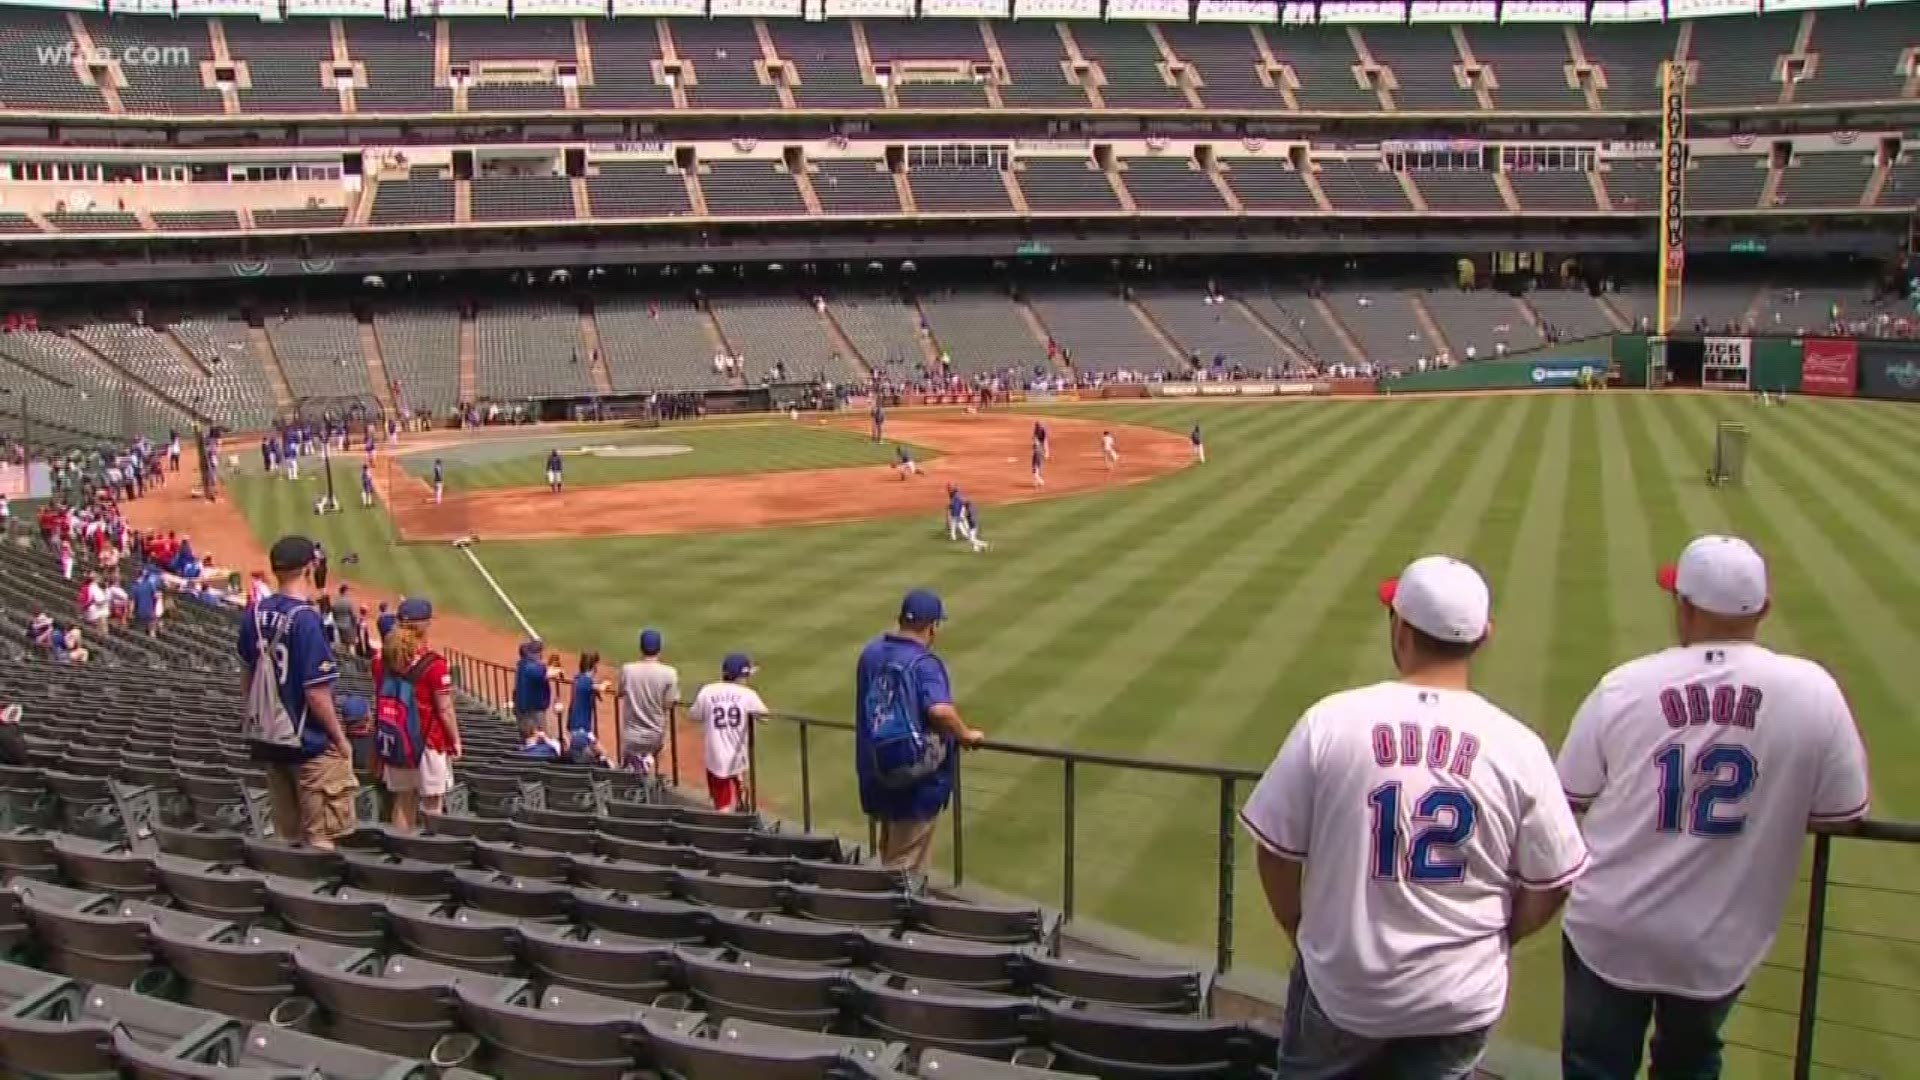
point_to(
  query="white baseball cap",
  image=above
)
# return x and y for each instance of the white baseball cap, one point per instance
(1719, 574)
(1442, 597)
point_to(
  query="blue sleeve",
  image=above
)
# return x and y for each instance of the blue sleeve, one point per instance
(934, 689)
(309, 658)
(249, 643)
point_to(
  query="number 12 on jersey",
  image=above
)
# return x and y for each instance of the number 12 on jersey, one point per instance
(1443, 819)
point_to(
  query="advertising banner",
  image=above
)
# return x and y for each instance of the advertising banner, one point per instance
(1890, 372)
(1550, 373)
(1726, 363)
(1829, 367)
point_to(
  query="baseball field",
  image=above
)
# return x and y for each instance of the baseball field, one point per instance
(1191, 613)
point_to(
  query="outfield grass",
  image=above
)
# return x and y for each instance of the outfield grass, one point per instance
(749, 446)
(1195, 617)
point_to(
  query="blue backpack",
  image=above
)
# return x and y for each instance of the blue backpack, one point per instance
(900, 750)
(398, 739)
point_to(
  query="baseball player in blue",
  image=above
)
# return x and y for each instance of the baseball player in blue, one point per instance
(905, 463)
(1040, 448)
(290, 454)
(954, 504)
(553, 471)
(439, 481)
(366, 484)
(970, 526)
(370, 442)
(879, 422)
(1199, 445)
(1039, 464)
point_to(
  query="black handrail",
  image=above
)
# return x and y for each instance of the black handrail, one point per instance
(494, 683)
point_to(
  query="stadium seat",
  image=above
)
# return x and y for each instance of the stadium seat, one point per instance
(519, 898)
(536, 864)
(871, 1054)
(460, 937)
(958, 962)
(201, 845)
(867, 909)
(559, 1036)
(793, 940)
(329, 912)
(726, 984)
(293, 860)
(245, 976)
(622, 875)
(951, 1066)
(724, 891)
(1129, 1045)
(28, 853)
(571, 841)
(850, 877)
(684, 1055)
(395, 876)
(660, 920)
(1114, 982)
(599, 962)
(979, 922)
(441, 850)
(215, 890)
(795, 846)
(401, 1005)
(924, 1015)
(471, 826)
(758, 867)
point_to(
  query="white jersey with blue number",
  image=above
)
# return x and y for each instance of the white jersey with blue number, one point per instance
(1701, 768)
(723, 710)
(1418, 813)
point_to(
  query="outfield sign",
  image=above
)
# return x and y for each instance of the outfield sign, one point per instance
(1829, 367)
(1726, 363)
(1256, 388)
(1550, 373)
(1890, 372)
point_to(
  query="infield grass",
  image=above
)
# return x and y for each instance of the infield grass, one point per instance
(1194, 617)
(717, 449)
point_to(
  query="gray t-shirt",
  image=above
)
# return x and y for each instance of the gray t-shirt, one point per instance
(343, 613)
(648, 691)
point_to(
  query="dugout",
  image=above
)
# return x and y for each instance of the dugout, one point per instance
(650, 408)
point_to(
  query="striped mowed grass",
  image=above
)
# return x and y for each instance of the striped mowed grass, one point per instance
(1194, 617)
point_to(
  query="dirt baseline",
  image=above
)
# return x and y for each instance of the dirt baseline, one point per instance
(987, 456)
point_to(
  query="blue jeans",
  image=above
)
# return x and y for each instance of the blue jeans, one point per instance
(1313, 1047)
(1603, 1029)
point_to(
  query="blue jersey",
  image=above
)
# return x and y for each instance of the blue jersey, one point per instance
(302, 660)
(1038, 456)
(954, 503)
(553, 461)
(966, 513)
(924, 798)
(144, 593)
(580, 709)
(1040, 434)
(1195, 435)
(439, 475)
(532, 692)
(366, 479)
(904, 456)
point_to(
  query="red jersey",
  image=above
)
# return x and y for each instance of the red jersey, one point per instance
(434, 679)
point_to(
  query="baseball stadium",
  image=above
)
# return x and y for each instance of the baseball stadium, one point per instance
(1149, 338)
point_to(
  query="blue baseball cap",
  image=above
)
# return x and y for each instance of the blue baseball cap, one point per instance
(735, 666)
(416, 609)
(651, 642)
(921, 608)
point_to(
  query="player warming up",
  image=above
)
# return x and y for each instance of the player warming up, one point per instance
(723, 710)
(366, 484)
(1108, 451)
(1040, 448)
(1039, 463)
(904, 462)
(879, 418)
(554, 479)
(1199, 445)
(970, 526)
(439, 481)
(955, 501)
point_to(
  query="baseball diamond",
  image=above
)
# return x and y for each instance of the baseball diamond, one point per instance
(1192, 613)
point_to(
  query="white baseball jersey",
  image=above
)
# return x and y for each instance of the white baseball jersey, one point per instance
(1418, 813)
(725, 709)
(1701, 768)
(1106, 443)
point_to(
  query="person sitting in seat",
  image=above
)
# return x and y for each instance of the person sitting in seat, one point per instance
(535, 742)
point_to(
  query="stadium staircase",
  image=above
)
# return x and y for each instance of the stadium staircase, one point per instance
(597, 361)
(376, 365)
(1528, 313)
(1014, 194)
(1430, 327)
(1876, 184)
(1176, 353)
(369, 192)
(170, 338)
(1620, 320)
(1602, 198)
(1355, 354)
(1041, 335)
(717, 335)
(262, 345)
(1508, 197)
(469, 360)
(1414, 195)
(83, 41)
(462, 201)
(843, 344)
(1120, 190)
(1281, 342)
(111, 372)
(1084, 73)
(1757, 305)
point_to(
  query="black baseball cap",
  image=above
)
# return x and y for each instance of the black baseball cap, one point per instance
(291, 553)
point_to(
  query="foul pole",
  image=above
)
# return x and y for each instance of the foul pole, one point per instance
(1673, 191)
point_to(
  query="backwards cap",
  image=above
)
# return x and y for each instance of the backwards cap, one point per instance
(1442, 597)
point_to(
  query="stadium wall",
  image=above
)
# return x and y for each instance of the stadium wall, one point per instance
(1502, 375)
(1889, 370)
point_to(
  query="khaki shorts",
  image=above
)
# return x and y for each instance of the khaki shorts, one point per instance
(434, 777)
(313, 801)
(907, 845)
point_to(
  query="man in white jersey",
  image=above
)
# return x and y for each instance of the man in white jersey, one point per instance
(1700, 769)
(1431, 833)
(723, 710)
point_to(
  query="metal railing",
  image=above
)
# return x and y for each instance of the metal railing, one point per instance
(494, 683)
